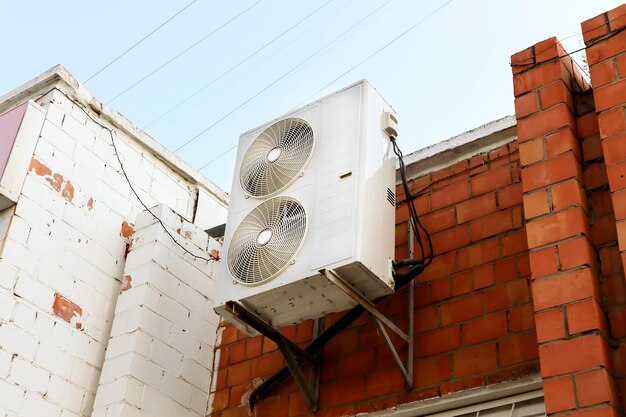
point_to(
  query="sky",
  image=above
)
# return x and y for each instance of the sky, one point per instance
(218, 69)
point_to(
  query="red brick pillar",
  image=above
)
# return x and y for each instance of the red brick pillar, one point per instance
(573, 349)
(606, 53)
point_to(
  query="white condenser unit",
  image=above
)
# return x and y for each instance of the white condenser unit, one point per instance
(312, 190)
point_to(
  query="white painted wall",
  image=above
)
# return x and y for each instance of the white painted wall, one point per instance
(160, 356)
(64, 256)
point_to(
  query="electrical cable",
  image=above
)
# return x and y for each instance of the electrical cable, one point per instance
(228, 71)
(351, 69)
(267, 87)
(182, 53)
(416, 224)
(132, 188)
(140, 41)
(382, 48)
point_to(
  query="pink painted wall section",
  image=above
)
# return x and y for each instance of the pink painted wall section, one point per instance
(9, 125)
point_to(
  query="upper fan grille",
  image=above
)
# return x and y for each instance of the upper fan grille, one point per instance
(267, 240)
(276, 157)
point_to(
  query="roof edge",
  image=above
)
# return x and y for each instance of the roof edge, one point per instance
(463, 146)
(59, 77)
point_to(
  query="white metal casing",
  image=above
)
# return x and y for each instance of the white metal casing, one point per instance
(347, 190)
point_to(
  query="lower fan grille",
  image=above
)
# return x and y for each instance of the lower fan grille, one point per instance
(267, 240)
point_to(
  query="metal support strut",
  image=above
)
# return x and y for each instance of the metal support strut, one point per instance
(381, 322)
(294, 355)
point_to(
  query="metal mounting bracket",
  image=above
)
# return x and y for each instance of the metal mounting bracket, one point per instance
(381, 322)
(294, 355)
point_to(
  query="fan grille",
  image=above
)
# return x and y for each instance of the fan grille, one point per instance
(267, 240)
(276, 157)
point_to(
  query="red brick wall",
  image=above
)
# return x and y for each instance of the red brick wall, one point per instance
(569, 178)
(474, 321)
(528, 275)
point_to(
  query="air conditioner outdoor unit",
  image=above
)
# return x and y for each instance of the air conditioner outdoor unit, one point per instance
(312, 190)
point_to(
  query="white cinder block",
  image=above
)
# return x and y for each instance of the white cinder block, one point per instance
(34, 214)
(54, 360)
(33, 291)
(137, 342)
(200, 328)
(43, 327)
(77, 218)
(126, 322)
(86, 296)
(29, 376)
(75, 265)
(20, 257)
(67, 413)
(77, 345)
(54, 277)
(199, 401)
(19, 230)
(37, 406)
(205, 356)
(8, 274)
(12, 396)
(184, 342)
(173, 312)
(180, 411)
(15, 340)
(23, 316)
(165, 356)
(152, 252)
(84, 375)
(191, 299)
(87, 406)
(137, 296)
(62, 141)
(90, 185)
(125, 389)
(55, 114)
(95, 354)
(155, 403)
(157, 276)
(61, 335)
(196, 374)
(155, 325)
(5, 364)
(7, 305)
(65, 394)
(96, 327)
(86, 158)
(177, 389)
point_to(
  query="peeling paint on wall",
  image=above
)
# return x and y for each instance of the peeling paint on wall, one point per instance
(127, 230)
(56, 180)
(67, 310)
(126, 279)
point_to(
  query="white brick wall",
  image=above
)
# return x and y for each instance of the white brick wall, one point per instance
(62, 259)
(160, 340)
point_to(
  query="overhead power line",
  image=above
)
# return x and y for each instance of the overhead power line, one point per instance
(267, 87)
(228, 71)
(346, 72)
(379, 50)
(140, 41)
(249, 70)
(183, 52)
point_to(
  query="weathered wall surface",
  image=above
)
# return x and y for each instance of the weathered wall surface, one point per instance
(63, 255)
